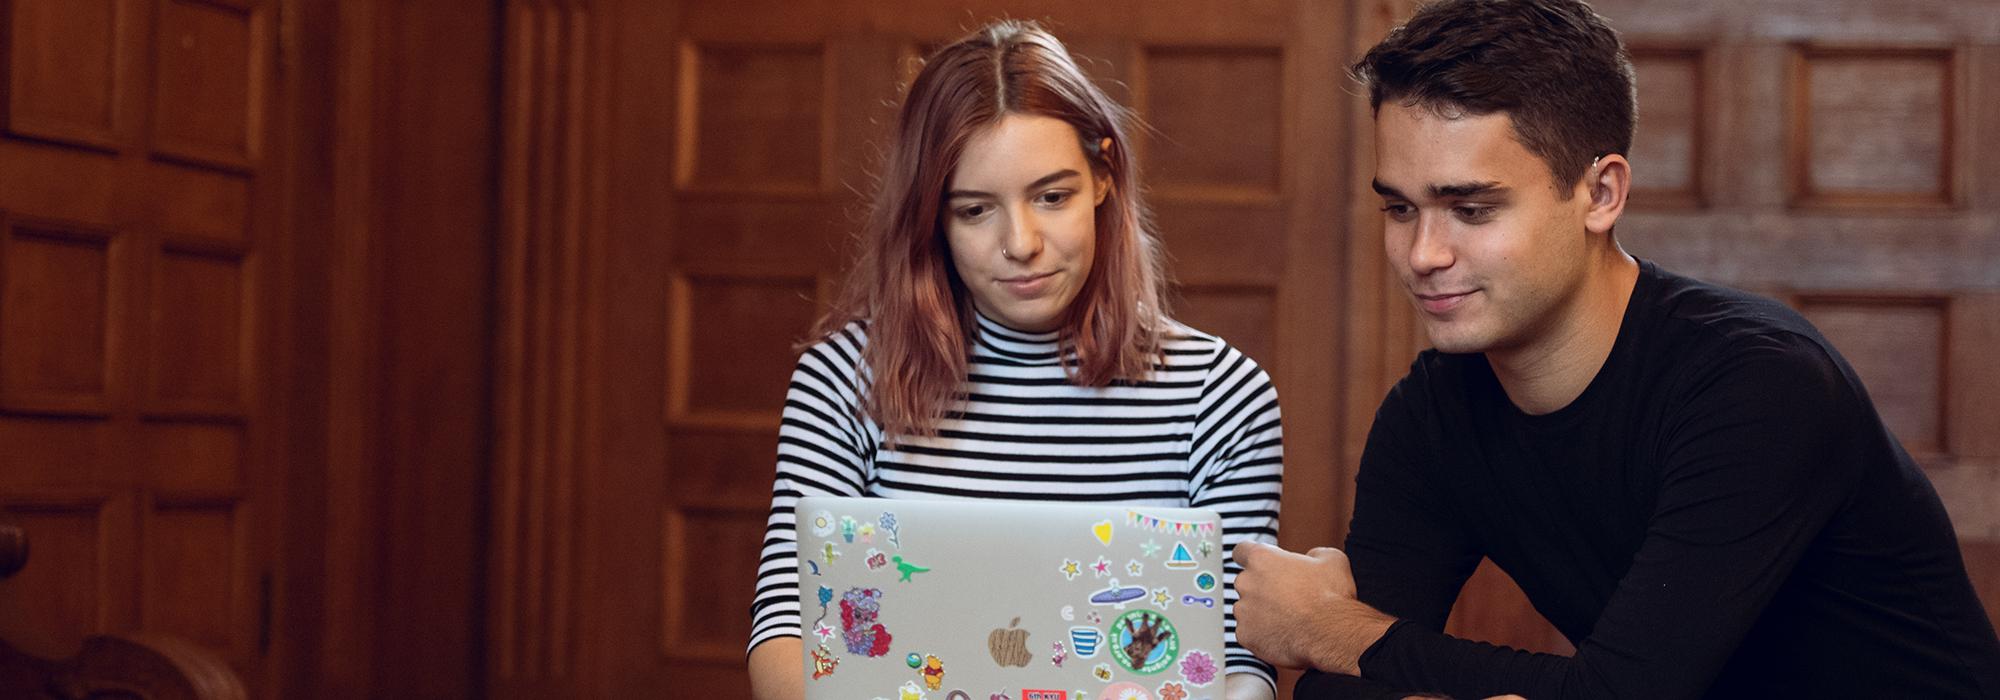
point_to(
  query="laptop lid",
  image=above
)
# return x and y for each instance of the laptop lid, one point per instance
(1023, 600)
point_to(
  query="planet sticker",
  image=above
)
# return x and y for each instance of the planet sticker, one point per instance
(1204, 581)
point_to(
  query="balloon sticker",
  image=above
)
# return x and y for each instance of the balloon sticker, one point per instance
(1144, 642)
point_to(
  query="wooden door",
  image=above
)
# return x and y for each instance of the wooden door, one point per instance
(684, 176)
(1828, 155)
(135, 320)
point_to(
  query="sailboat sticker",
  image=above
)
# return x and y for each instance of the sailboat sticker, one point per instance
(1182, 558)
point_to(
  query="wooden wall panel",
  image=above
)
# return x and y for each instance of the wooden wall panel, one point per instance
(54, 454)
(199, 332)
(735, 373)
(66, 592)
(706, 548)
(209, 94)
(1874, 126)
(753, 118)
(193, 574)
(58, 296)
(1673, 109)
(201, 202)
(194, 457)
(1216, 115)
(64, 69)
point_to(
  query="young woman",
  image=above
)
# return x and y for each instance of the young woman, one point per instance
(1006, 315)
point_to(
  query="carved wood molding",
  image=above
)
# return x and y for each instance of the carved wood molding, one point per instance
(548, 198)
(13, 550)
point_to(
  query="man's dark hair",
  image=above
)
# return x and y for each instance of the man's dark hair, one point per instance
(1554, 66)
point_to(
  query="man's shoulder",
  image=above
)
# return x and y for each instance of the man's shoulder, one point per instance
(1721, 315)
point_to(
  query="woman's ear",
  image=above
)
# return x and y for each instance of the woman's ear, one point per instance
(1102, 173)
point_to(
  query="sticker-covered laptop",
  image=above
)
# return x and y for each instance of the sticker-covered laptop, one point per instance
(1013, 600)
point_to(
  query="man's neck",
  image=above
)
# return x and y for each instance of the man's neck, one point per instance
(1551, 370)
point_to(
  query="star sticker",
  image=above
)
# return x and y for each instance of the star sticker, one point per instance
(823, 631)
(1136, 568)
(1162, 598)
(1071, 568)
(1102, 567)
(1150, 549)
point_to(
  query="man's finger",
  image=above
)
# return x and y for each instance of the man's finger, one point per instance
(1328, 555)
(1246, 552)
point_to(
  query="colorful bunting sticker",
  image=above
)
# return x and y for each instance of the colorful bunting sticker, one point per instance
(1154, 523)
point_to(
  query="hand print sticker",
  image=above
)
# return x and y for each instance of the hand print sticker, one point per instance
(1143, 641)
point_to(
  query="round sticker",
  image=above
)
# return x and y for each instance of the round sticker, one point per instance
(1204, 581)
(822, 523)
(1144, 642)
(1125, 691)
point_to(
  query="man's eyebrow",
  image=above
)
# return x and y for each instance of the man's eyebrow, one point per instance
(1385, 190)
(1039, 183)
(1466, 189)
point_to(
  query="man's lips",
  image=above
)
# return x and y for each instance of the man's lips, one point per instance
(1440, 303)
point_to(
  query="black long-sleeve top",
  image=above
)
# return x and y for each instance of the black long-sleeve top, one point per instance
(1720, 513)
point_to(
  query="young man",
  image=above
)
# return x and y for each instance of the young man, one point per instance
(1687, 480)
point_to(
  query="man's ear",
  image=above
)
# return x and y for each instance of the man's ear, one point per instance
(1606, 183)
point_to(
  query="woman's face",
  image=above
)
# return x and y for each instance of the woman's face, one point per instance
(1020, 215)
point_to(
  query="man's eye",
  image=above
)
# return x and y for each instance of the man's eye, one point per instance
(1474, 213)
(1398, 211)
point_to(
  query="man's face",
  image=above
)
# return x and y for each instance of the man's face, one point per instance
(1492, 252)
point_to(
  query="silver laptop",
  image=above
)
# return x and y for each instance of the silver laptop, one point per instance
(1023, 600)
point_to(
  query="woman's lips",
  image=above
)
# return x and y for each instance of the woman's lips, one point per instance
(1028, 285)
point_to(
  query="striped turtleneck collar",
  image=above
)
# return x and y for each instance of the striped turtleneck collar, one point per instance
(994, 339)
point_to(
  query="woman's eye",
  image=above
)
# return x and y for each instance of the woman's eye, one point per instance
(974, 211)
(1053, 199)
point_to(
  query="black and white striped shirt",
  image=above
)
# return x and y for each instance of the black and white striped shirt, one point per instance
(1201, 431)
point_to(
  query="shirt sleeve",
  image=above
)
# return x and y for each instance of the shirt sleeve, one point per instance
(824, 449)
(1408, 555)
(1754, 469)
(1238, 457)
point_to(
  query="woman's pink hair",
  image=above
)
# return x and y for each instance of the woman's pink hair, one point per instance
(903, 284)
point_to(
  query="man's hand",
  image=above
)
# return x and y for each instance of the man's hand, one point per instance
(1299, 610)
